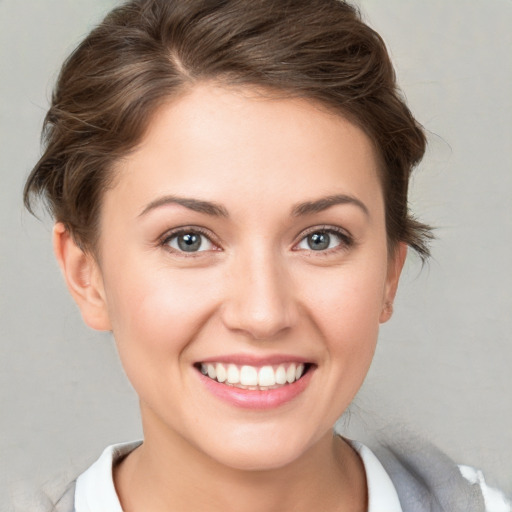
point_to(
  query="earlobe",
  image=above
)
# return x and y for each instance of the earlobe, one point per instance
(395, 266)
(83, 278)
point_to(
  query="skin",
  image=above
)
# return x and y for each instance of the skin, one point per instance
(256, 289)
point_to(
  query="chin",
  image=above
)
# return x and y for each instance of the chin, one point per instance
(260, 450)
(251, 460)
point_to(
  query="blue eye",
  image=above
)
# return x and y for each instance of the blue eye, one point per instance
(189, 241)
(323, 240)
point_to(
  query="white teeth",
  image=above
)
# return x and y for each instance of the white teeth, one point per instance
(221, 372)
(266, 376)
(211, 371)
(233, 376)
(248, 376)
(251, 377)
(281, 375)
(290, 373)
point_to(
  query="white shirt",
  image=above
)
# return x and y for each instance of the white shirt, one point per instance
(95, 491)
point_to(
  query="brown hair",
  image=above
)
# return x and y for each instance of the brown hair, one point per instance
(146, 51)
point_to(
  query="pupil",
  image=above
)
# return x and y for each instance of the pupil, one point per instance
(319, 241)
(189, 242)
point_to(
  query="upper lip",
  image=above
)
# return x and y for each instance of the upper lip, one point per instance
(254, 360)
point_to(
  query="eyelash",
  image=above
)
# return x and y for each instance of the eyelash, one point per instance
(170, 235)
(346, 240)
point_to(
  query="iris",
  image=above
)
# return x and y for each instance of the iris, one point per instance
(319, 241)
(189, 242)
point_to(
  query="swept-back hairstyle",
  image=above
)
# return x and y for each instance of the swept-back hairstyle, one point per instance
(148, 51)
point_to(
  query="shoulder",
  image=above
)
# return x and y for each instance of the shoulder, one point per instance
(426, 479)
(494, 499)
(57, 495)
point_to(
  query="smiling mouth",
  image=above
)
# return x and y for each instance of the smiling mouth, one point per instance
(257, 378)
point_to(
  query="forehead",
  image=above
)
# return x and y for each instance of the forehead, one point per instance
(229, 143)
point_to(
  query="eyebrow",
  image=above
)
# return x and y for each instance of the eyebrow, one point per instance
(216, 210)
(310, 207)
(207, 207)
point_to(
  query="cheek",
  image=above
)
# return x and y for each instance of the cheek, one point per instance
(346, 307)
(155, 312)
(346, 296)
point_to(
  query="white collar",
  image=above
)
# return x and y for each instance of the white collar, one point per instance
(95, 491)
(381, 491)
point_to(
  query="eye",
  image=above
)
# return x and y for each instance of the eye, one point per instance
(323, 240)
(189, 241)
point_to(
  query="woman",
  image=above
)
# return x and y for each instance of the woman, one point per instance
(229, 186)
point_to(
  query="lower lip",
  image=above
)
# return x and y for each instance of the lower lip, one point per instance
(257, 399)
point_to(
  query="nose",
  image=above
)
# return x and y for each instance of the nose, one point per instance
(260, 301)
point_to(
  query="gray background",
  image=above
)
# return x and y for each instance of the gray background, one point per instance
(443, 364)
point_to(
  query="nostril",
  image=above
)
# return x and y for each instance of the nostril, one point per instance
(259, 301)
(258, 323)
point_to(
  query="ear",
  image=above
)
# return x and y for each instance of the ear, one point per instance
(395, 265)
(83, 278)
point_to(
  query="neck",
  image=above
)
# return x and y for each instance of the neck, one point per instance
(167, 474)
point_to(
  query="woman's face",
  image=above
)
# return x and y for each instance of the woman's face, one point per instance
(245, 237)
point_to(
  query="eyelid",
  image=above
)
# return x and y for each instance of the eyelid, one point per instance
(164, 239)
(346, 238)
